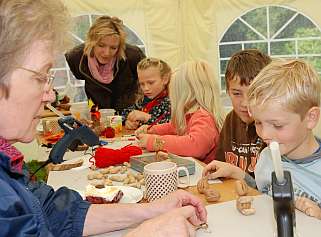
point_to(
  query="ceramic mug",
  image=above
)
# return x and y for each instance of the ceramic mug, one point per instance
(161, 178)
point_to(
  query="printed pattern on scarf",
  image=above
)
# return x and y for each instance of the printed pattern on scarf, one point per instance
(16, 156)
(163, 107)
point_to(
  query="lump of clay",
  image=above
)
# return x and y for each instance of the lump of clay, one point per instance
(244, 205)
(212, 195)
(202, 185)
(241, 187)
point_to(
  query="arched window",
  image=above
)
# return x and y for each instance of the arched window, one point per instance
(277, 31)
(65, 82)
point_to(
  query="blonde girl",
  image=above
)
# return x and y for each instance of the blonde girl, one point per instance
(154, 106)
(197, 115)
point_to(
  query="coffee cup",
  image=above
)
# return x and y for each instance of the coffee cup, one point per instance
(161, 178)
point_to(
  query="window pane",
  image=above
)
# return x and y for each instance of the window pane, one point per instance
(239, 32)
(80, 26)
(75, 42)
(263, 47)
(94, 17)
(228, 50)
(132, 38)
(79, 94)
(257, 19)
(223, 85)
(143, 49)
(223, 66)
(299, 27)
(309, 46)
(74, 81)
(60, 78)
(60, 61)
(283, 48)
(278, 17)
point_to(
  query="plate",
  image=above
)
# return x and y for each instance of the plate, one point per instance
(131, 194)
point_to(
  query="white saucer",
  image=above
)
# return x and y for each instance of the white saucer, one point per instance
(131, 195)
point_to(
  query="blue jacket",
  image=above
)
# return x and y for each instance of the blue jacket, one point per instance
(35, 209)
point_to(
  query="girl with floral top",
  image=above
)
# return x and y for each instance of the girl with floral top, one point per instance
(154, 107)
(197, 115)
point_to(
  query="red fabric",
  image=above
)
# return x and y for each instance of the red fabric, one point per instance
(109, 132)
(105, 157)
(156, 101)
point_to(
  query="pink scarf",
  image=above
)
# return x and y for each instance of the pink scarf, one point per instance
(103, 73)
(16, 157)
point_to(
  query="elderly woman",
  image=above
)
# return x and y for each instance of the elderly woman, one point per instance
(107, 64)
(31, 33)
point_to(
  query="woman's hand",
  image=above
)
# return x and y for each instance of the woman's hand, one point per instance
(182, 198)
(217, 169)
(308, 207)
(137, 115)
(178, 215)
(172, 224)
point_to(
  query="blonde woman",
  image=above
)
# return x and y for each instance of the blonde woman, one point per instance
(197, 115)
(107, 64)
(154, 108)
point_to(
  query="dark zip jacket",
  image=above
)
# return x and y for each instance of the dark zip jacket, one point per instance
(118, 94)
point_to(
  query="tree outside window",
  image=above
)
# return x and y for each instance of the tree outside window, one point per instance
(275, 30)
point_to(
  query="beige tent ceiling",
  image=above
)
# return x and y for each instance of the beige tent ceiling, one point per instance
(178, 30)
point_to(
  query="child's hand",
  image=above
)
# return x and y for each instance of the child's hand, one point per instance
(129, 124)
(142, 137)
(141, 129)
(218, 169)
(308, 207)
(137, 115)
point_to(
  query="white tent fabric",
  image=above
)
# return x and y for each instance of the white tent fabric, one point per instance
(179, 30)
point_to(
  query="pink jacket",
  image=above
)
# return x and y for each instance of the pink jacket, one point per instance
(199, 141)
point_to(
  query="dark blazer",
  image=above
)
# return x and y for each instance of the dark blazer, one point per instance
(121, 92)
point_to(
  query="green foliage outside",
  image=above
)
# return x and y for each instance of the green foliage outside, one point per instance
(299, 28)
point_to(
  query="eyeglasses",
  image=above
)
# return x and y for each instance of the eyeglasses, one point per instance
(45, 78)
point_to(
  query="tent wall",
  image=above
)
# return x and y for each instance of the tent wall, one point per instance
(178, 30)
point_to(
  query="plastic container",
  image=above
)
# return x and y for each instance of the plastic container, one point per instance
(80, 110)
(116, 123)
(104, 114)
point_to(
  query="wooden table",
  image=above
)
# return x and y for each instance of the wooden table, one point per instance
(226, 189)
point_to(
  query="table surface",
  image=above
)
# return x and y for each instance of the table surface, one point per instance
(223, 217)
(226, 189)
(77, 179)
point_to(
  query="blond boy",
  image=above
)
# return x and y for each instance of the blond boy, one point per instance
(284, 102)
